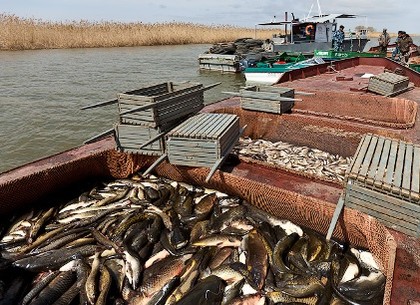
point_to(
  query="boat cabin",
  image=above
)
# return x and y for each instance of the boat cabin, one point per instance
(312, 29)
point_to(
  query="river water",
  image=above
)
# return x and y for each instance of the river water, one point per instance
(41, 92)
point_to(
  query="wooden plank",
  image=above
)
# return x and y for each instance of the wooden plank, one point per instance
(367, 160)
(207, 131)
(415, 179)
(406, 177)
(399, 165)
(186, 127)
(219, 162)
(381, 212)
(386, 220)
(99, 136)
(390, 168)
(224, 124)
(375, 195)
(156, 163)
(197, 126)
(384, 208)
(360, 154)
(382, 164)
(375, 161)
(338, 208)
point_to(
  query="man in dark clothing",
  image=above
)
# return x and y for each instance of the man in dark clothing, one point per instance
(404, 44)
(397, 47)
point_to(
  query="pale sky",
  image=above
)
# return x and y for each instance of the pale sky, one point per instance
(392, 14)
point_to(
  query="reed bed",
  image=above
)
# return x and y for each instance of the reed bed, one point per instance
(29, 34)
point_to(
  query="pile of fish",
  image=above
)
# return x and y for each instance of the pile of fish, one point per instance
(310, 161)
(157, 241)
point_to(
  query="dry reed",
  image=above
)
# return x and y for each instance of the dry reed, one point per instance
(28, 34)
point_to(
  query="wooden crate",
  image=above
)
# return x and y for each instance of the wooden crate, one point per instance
(219, 62)
(388, 83)
(203, 140)
(267, 99)
(384, 182)
(130, 138)
(161, 104)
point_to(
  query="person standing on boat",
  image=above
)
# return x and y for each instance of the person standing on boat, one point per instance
(405, 44)
(396, 50)
(338, 39)
(384, 40)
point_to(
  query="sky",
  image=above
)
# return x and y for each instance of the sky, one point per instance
(392, 14)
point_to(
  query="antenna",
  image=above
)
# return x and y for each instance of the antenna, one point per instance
(319, 8)
(310, 10)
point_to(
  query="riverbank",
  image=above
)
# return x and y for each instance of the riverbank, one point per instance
(32, 34)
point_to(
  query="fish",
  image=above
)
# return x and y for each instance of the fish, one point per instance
(104, 285)
(207, 291)
(280, 252)
(36, 226)
(218, 240)
(257, 258)
(91, 281)
(281, 297)
(162, 296)
(53, 259)
(55, 288)
(302, 286)
(41, 284)
(139, 249)
(250, 299)
(158, 274)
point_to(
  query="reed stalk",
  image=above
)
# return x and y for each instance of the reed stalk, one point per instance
(29, 34)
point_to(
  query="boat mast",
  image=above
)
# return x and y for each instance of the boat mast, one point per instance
(319, 8)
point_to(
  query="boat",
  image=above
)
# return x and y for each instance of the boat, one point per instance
(331, 55)
(271, 74)
(391, 47)
(314, 33)
(328, 121)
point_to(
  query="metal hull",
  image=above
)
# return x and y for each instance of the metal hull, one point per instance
(266, 78)
(55, 175)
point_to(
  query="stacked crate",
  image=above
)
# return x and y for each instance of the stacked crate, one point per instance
(219, 62)
(384, 182)
(203, 140)
(147, 114)
(267, 99)
(388, 83)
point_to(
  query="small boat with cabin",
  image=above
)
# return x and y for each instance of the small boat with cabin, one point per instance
(314, 33)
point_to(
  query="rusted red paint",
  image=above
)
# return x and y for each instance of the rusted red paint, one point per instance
(90, 160)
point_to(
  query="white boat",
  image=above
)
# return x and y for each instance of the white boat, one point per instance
(314, 33)
(272, 75)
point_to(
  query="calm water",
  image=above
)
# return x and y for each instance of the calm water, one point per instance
(41, 92)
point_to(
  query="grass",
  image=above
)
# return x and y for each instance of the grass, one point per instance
(30, 34)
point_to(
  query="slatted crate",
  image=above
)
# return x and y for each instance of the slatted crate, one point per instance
(384, 182)
(219, 62)
(130, 138)
(161, 104)
(388, 83)
(267, 99)
(203, 140)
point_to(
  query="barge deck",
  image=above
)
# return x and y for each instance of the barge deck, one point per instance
(280, 192)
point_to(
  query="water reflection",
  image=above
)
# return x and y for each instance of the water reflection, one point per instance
(41, 92)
